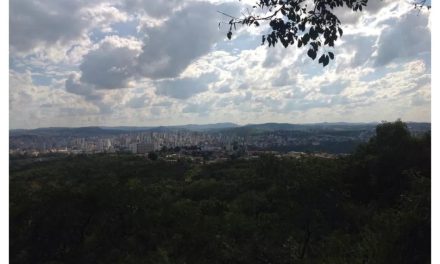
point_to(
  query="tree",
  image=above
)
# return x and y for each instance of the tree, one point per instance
(153, 156)
(311, 25)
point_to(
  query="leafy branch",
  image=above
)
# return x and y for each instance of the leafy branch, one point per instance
(310, 25)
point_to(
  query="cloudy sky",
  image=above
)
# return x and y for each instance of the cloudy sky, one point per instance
(166, 62)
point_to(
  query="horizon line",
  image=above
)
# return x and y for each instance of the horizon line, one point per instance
(206, 124)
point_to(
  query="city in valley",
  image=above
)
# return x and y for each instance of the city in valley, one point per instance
(216, 142)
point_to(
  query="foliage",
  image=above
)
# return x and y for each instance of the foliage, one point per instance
(312, 25)
(153, 155)
(371, 207)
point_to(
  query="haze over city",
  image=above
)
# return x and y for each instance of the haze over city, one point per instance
(92, 63)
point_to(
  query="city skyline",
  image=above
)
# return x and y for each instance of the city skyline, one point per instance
(215, 137)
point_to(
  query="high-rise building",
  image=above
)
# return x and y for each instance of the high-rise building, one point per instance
(143, 148)
(133, 148)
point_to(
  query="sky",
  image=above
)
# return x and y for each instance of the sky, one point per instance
(167, 62)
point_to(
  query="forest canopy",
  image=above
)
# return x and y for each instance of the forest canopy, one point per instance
(370, 207)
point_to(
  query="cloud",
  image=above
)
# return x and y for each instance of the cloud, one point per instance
(180, 67)
(163, 104)
(167, 50)
(405, 37)
(157, 8)
(420, 100)
(138, 102)
(33, 105)
(334, 87)
(45, 22)
(305, 104)
(184, 37)
(284, 78)
(274, 56)
(104, 15)
(242, 98)
(200, 108)
(348, 16)
(223, 89)
(112, 64)
(74, 85)
(362, 47)
(184, 88)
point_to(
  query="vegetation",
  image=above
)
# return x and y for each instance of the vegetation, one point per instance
(370, 207)
(309, 24)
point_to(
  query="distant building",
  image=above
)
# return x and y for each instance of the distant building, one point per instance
(295, 154)
(144, 148)
(156, 145)
(133, 148)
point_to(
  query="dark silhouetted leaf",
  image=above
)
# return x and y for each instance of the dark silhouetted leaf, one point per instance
(305, 38)
(321, 59)
(325, 61)
(289, 20)
(311, 53)
(332, 56)
(313, 33)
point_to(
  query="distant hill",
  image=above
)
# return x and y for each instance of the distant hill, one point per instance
(253, 129)
(108, 130)
(126, 128)
(65, 132)
(226, 128)
(207, 127)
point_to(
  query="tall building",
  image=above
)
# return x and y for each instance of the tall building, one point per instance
(143, 148)
(133, 148)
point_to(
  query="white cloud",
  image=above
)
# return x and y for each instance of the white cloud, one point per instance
(138, 101)
(112, 64)
(74, 85)
(169, 48)
(41, 23)
(102, 16)
(155, 9)
(184, 88)
(39, 106)
(69, 60)
(334, 87)
(405, 37)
